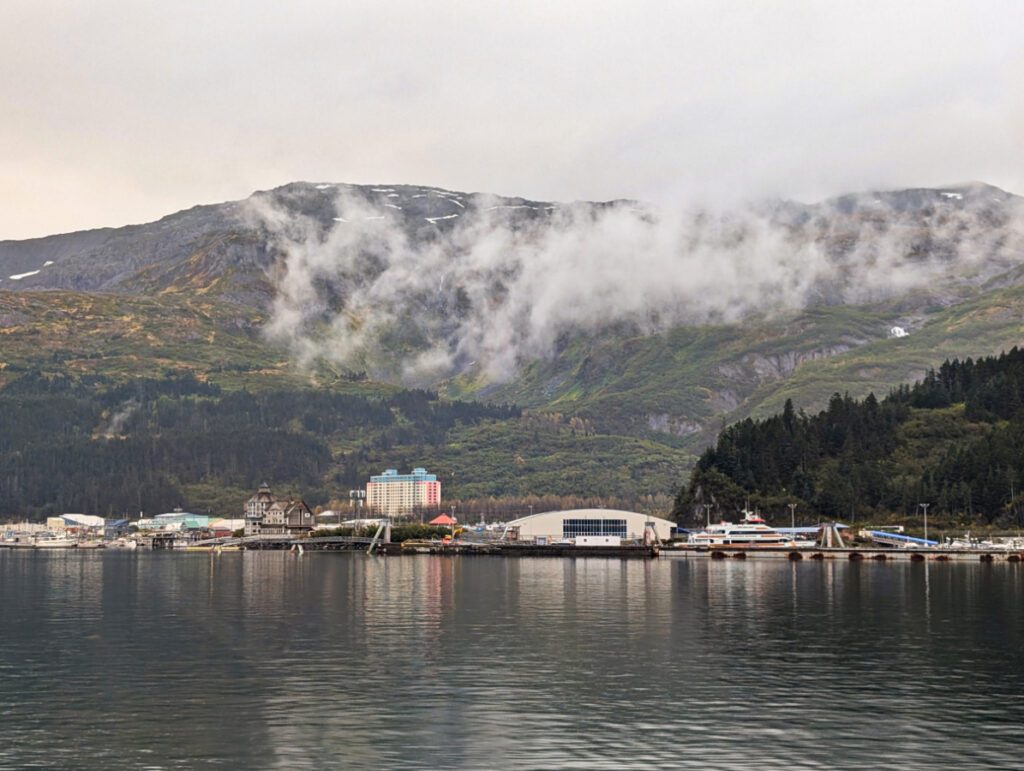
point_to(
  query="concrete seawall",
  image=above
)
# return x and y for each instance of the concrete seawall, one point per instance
(852, 554)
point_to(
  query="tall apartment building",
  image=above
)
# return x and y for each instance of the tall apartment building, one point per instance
(393, 494)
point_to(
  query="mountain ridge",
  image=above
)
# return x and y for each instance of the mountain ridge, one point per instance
(196, 292)
(157, 240)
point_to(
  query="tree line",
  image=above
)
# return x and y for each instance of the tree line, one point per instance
(954, 440)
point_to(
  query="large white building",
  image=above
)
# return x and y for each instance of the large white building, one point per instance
(76, 522)
(392, 494)
(588, 525)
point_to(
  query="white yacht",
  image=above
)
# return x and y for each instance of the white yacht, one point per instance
(752, 531)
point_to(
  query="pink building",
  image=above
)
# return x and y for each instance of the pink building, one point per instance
(393, 494)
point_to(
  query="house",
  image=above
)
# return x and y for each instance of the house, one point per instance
(267, 515)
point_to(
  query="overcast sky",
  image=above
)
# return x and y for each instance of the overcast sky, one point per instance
(118, 111)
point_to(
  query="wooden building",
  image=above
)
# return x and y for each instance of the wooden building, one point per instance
(267, 515)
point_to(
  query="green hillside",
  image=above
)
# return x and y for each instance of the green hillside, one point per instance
(616, 415)
(97, 443)
(954, 440)
(678, 388)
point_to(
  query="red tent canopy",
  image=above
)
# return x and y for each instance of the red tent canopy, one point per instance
(443, 519)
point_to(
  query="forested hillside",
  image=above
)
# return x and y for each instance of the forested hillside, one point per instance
(105, 446)
(73, 444)
(954, 440)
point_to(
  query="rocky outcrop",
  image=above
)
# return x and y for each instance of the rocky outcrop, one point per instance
(673, 425)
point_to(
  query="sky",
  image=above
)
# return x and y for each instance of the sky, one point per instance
(121, 111)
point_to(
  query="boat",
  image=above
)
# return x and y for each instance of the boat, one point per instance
(751, 532)
(16, 544)
(54, 543)
(123, 543)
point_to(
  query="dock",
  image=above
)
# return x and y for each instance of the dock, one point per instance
(514, 549)
(853, 554)
(407, 548)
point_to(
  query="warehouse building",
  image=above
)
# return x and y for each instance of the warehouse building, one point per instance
(174, 521)
(608, 527)
(76, 523)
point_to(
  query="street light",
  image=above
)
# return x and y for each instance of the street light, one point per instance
(792, 515)
(925, 507)
(707, 508)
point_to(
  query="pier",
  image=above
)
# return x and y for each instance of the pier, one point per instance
(854, 554)
(513, 549)
(413, 547)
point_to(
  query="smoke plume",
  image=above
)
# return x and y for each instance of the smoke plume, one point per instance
(117, 422)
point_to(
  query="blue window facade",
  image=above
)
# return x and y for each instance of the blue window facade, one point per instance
(574, 527)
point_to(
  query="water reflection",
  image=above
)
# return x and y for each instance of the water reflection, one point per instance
(268, 660)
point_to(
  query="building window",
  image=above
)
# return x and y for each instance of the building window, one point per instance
(576, 527)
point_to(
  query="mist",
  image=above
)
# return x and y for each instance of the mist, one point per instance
(491, 287)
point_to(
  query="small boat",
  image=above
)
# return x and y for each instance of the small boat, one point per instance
(17, 544)
(54, 543)
(123, 543)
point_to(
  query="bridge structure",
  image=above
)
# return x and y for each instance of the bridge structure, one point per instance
(266, 541)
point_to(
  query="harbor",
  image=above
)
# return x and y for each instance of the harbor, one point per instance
(572, 534)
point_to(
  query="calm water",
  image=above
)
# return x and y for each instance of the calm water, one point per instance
(161, 660)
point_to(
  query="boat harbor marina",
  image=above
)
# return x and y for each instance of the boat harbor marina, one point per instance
(301, 545)
(575, 533)
(272, 523)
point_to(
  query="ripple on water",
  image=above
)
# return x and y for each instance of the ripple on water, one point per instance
(268, 661)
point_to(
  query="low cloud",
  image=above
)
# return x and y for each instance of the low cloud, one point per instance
(497, 287)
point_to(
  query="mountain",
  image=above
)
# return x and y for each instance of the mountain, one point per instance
(629, 335)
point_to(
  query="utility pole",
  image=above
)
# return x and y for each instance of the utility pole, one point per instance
(925, 507)
(707, 509)
(792, 515)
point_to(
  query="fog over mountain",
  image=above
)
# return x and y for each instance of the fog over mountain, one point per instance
(622, 321)
(425, 283)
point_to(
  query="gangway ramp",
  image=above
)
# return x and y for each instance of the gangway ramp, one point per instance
(896, 539)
